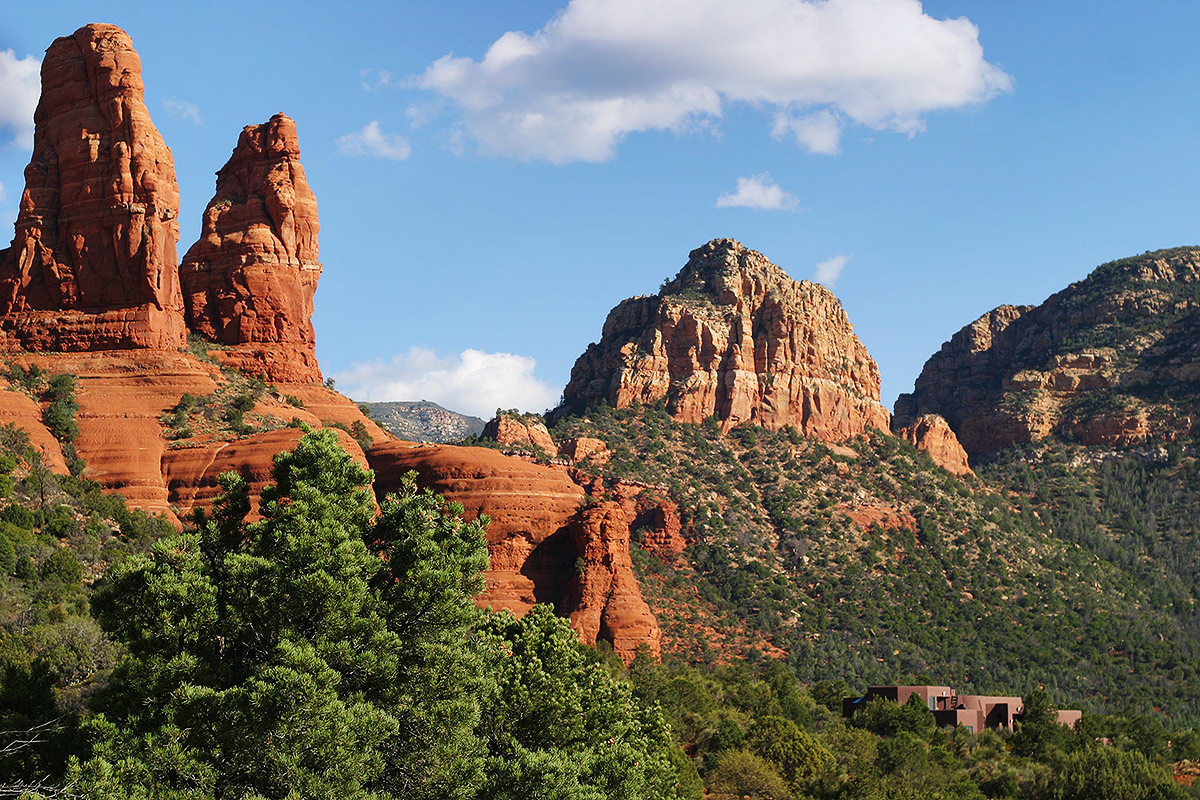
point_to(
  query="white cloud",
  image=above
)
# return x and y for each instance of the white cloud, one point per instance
(373, 79)
(182, 109)
(829, 270)
(20, 86)
(473, 382)
(759, 191)
(818, 133)
(3, 193)
(602, 69)
(372, 141)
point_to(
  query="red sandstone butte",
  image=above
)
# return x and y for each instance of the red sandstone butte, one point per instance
(93, 263)
(249, 281)
(932, 434)
(544, 547)
(732, 336)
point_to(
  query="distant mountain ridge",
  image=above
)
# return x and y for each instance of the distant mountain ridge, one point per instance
(424, 421)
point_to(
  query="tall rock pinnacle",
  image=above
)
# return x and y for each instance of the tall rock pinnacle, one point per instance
(249, 280)
(732, 336)
(93, 263)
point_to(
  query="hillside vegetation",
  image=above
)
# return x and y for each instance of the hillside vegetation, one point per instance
(868, 563)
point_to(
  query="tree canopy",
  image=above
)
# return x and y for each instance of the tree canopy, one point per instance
(333, 649)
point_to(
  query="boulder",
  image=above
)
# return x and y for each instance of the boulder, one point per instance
(524, 433)
(932, 434)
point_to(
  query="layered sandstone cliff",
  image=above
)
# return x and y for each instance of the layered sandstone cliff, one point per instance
(546, 544)
(248, 283)
(93, 263)
(732, 336)
(1111, 360)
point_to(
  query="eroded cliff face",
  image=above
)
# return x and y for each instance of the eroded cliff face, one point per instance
(932, 434)
(248, 283)
(546, 544)
(93, 263)
(732, 336)
(1111, 360)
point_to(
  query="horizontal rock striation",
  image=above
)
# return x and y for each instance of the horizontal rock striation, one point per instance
(1111, 360)
(733, 337)
(93, 263)
(249, 281)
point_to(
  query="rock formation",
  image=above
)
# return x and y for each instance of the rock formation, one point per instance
(1111, 360)
(22, 411)
(93, 263)
(604, 600)
(732, 336)
(521, 433)
(932, 434)
(191, 473)
(545, 546)
(249, 281)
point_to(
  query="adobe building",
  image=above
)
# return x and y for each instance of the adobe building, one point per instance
(934, 697)
(974, 712)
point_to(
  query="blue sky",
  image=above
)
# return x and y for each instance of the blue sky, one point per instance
(494, 176)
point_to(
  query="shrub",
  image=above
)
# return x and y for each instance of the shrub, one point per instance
(741, 773)
(63, 566)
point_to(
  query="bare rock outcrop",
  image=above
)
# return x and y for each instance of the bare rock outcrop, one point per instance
(191, 474)
(932, 434)
(520, 432)
(93, 263)
(604, 599)
(732, 336)
(545, 545)
(1112, 360)
(249, 281)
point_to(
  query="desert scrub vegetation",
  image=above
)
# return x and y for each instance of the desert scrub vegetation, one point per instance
(225, 412)
(867, 560)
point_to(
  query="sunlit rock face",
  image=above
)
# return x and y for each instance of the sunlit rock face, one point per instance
(93, 263)
(546, 543)
(733, 337)
(249, 281)
(1112, 360)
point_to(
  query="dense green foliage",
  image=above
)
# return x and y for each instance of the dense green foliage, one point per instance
(329, 650)
(972, 584)
(755, 731)
(56, 533)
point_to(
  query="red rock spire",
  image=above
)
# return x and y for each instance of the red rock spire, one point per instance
(249, 280)
(93, 263)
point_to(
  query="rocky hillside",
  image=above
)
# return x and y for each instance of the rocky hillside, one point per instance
(733, 337)
(1110, 360)
(865, 561)
(423, 421)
